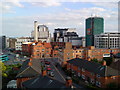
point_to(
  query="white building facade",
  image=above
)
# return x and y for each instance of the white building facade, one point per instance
(21, 40)
(43, 33)
(107, 40)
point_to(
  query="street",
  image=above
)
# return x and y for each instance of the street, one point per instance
(12, 58)
(59, 73)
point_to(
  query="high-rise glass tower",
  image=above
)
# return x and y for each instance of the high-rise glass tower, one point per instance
(94, 26)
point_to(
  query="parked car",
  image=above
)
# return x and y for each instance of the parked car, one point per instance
(46, 62)
(47, 66)
(51, 74)
(48, 69)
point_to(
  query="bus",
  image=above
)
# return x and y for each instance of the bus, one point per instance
(4, 58)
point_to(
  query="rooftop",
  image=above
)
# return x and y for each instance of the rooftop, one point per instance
(94, 67)
(43, 82)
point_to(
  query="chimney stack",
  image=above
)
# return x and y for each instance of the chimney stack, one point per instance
(89, 59)
(30, 63)
(36, 31)
(68, 82)
(44, 72)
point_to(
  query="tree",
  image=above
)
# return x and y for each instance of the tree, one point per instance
(3, 69)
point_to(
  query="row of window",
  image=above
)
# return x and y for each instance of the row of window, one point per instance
(77, 51)
(92, 81)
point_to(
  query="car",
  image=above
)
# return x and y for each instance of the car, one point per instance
(51, 74)
(48, 69)
(47, 66)
(9, 54)
(46, 62)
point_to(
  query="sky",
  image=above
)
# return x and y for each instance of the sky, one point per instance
(17, 18)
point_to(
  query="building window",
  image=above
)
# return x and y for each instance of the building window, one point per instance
(39, 46)
(42, 50)
(68, 53)
(68, 58)
(38, 55)
(37, 50)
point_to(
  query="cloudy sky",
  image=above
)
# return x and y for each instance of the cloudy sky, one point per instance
(17, 17)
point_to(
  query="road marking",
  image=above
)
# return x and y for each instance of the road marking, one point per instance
(59, 73)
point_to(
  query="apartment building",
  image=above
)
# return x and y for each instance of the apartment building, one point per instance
(41, 32)
(20, 41)
(93, 52)
(37, 49)
(93, 73)
(107, 40)
(65, 54)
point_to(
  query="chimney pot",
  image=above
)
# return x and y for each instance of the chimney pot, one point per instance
(30, 63)
(89, 59)
(44, 73)
(68, 82)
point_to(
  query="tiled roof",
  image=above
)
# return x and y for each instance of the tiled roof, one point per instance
(93, 67)
(47, 45)
(43, 82)
(115, 65)
(29, 71)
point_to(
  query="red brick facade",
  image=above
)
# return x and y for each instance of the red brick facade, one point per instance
(93, 78)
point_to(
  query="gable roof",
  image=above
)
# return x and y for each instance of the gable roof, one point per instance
(115, 65)
(43, 82)
(93, 67)
(29, 71)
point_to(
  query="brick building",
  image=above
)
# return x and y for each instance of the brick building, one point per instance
(65, 54)
(37, 49)
(41, 50)
(26, 48)
(92, 52)
(29, 69)
(55, 47)
(94, 73)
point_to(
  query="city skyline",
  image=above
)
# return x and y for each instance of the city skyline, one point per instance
(18, 17)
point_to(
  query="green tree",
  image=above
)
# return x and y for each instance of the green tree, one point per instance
(3, 69)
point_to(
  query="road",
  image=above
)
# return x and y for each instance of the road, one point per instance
(13, 59)
(59, 73)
